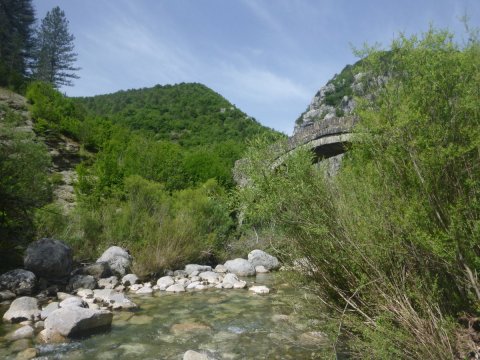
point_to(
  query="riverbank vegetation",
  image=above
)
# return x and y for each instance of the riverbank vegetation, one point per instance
(390, 245)
(164, 200)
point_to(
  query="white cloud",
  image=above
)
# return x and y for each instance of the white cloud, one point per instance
(261, 86)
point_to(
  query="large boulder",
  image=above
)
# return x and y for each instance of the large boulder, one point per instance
(98, 270)
(21, 309)
(240, 267)
(118, 259)
(77, 321)
(49, 259)
(19, 281)
(261, 258)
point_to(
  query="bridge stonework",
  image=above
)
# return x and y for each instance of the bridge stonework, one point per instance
(327, 139)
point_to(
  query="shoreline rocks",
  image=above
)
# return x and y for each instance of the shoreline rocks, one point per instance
(77, 321)
(93, 292)
(21, 309)
(20, 282)
(49, 259)
(118, 259)
(240, 267)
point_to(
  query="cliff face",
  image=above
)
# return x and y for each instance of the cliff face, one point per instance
(64, 152)
(335, 99)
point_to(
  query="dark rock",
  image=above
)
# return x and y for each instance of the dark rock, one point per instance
(19, 281)
(50, 259)
(98, 270)
(82, 282)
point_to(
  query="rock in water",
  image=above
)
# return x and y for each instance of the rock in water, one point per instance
(19, 281)
(25, 332)
(77, 321)
(240, 267)
(50, 259)
(118, 258)
(21, 309)
(194, 355)
(260, 289)
(164, 282)
(261, 258)
(190, 268)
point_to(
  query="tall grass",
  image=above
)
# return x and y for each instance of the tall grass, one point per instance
(161, 230)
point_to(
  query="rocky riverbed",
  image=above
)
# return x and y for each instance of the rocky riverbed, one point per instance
(215, 323)
(53, 309)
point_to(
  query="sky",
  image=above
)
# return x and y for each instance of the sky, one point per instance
(268, 57)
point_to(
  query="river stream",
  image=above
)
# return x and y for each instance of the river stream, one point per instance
(226, 324)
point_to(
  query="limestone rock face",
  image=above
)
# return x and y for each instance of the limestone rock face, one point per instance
(261, 258)
(240, 267)
(118, 258)
(21, 309)
(77, 321)
(50, 259)
(20, 282)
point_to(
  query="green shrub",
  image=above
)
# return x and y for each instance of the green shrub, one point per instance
(390, 244)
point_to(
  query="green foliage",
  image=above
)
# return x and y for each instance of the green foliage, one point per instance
(391, 244)
(190, 114)
(23, 186)
(16, 36)
(161, 229)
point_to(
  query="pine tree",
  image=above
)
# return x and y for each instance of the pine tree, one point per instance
(16, 38)
(55, 57)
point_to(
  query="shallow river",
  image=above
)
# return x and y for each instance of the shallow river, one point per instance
(228, 324)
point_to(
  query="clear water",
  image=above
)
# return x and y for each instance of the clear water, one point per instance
(228, 324)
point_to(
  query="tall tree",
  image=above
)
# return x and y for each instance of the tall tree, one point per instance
(55, 57)
(16, 38)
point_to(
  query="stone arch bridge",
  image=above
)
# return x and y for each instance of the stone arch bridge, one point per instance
(327, 138)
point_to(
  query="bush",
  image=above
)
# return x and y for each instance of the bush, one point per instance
(390, 244)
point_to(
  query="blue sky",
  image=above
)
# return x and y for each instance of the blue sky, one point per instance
(268, 57)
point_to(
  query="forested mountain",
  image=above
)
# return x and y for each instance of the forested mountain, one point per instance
(188, 113)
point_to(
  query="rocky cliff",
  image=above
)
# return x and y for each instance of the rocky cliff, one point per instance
(335, 99)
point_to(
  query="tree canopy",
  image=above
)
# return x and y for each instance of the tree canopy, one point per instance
(54, 50)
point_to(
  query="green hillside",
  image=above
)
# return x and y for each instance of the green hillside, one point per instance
(190, 114)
